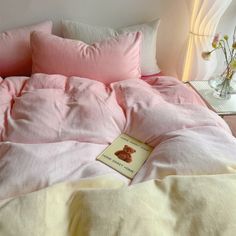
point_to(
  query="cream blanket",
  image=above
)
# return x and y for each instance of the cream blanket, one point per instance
(104, 206)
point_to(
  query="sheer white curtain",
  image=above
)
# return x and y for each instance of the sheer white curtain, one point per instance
(205, 16)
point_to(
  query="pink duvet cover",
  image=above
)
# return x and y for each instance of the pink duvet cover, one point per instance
(52, 128)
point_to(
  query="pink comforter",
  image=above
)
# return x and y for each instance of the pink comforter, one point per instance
(52, 128)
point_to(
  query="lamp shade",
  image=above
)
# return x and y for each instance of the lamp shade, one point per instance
(205, 17)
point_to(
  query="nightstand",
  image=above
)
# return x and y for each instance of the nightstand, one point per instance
(221, 107)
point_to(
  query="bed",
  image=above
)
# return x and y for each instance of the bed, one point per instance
(76, 84)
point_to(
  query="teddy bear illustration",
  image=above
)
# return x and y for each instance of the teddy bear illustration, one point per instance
(125, 154)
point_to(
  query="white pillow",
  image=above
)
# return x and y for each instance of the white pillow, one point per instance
(91, 34)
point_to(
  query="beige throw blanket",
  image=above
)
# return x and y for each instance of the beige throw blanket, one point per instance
(104, 206)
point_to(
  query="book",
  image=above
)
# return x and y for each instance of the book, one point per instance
(126, 155)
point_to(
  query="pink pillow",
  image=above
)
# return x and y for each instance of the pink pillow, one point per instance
(108, 61)
(15, 52)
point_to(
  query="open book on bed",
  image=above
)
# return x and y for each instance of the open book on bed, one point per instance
(126, 155)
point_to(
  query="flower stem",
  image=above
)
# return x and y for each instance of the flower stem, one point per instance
(225, 84)
(230, 52)
(234, 34)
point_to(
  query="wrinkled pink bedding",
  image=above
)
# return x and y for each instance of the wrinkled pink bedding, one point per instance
(52, 128)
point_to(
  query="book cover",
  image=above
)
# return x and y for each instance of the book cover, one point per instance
(126, 155)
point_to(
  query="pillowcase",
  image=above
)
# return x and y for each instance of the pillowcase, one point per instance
(15, 52)
(90, 34)
(108, 61)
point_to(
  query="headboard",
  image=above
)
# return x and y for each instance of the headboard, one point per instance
(173, 31)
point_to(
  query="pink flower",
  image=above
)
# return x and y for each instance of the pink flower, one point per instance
(216, 40)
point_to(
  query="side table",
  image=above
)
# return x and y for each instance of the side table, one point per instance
(219, 106)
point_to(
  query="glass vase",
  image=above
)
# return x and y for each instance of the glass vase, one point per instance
(221, 86)
(223, 89)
